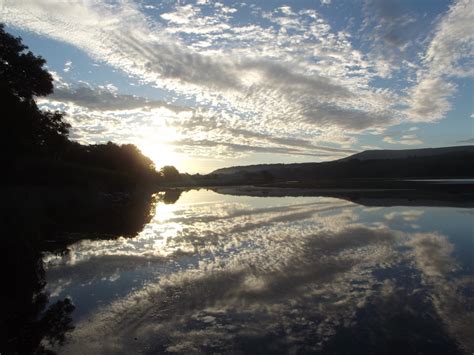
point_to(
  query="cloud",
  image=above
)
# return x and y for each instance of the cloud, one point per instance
(392, 22)
(468, 141)
(287, 141)
(228, 149)
(391, 29)
(101, 112)
(98, 115)
(105, 98)
(323, 94)
(406, 139)
(288, 75)
(67, 66)
(448, 56)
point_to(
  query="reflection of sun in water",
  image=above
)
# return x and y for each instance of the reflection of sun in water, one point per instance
(159, 233)
(164, 212)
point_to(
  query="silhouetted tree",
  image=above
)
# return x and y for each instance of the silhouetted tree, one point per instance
(27, 129)
(267, 176)
(170, 173)
(35, 142)
(126, 157)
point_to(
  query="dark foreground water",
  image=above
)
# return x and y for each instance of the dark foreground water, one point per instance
(216, 273)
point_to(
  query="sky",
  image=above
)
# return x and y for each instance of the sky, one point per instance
(208, 84)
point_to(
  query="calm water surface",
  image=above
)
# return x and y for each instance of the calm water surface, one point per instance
(236, 274)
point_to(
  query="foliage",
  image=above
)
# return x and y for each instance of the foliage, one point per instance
(110, 156)
(170, 173)
(21, 71)
(22, 78)
(36, 141)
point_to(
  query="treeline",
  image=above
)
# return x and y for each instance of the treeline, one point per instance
(36, 148)
(105, 167)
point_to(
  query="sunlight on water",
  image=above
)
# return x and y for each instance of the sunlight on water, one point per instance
(216, 272)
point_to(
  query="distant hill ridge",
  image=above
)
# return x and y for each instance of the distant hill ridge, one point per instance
(451, 161)
(407, 153)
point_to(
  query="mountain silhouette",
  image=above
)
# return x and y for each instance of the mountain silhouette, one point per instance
(446, 162)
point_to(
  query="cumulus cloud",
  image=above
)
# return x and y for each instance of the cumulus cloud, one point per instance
(105, 98)
(67, 66)
(406, 139)
(102, 113)
(391, 28)
(232, 148)
(448, 56)
(321, 95)
(288, 75)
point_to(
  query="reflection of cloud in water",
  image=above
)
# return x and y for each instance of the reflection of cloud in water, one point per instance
(406, 216)
(180, 229)
(452, 297)
(432, 254)
(287, 275)
(251, 296)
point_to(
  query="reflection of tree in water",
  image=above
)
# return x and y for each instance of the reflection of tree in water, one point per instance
(168, 197)
(26, 321)
(34, 221)
(171, 196)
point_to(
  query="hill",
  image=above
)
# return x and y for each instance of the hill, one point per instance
(447, 162)
(407, 153)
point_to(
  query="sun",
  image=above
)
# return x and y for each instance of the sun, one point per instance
(160, 153)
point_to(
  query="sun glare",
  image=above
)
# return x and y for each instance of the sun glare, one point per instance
(161, 153)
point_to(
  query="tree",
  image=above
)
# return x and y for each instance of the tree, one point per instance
(37, 140)
(127, 158)
(267, 176)
(27, 129)
(170, 173)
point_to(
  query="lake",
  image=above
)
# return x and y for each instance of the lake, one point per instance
(218, 273)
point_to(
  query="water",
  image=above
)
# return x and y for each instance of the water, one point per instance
(238, 274)
(445, 181)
